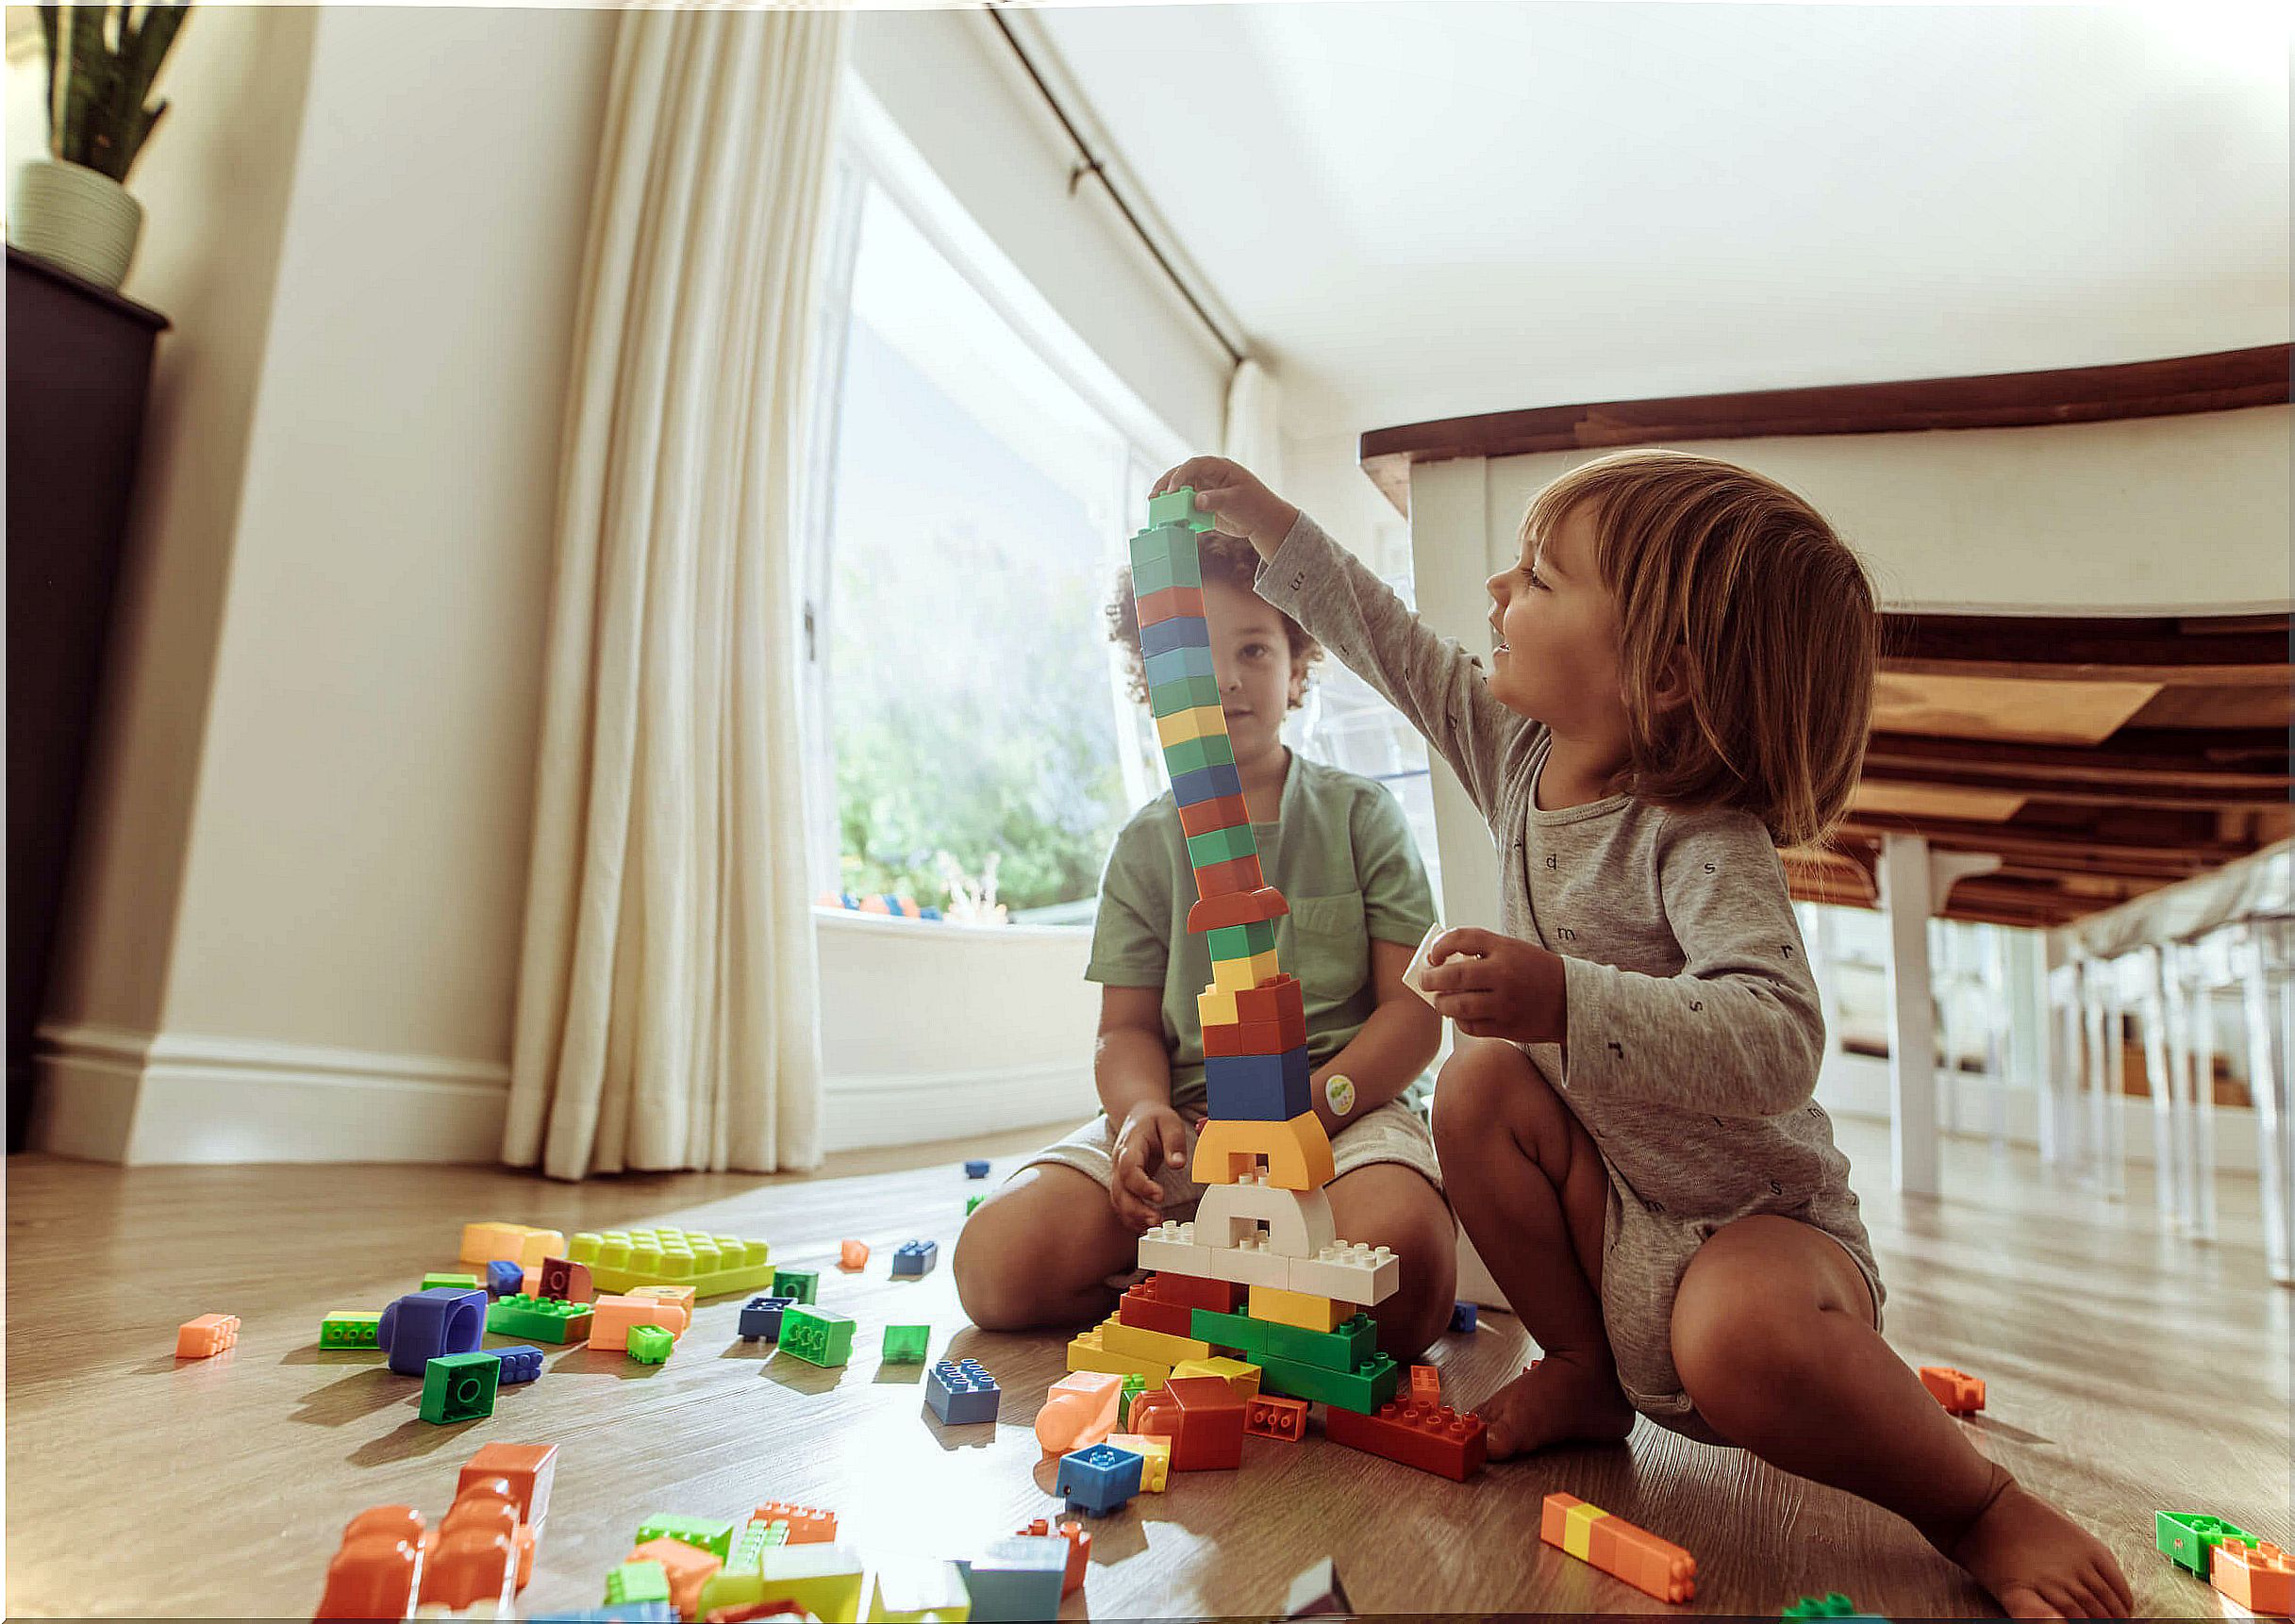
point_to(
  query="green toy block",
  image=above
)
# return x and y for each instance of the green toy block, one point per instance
(351, 1328)
(460, 1386)
(1134, 1384)
(1831, 1605)
(972, 1205)
(1177, 507)
(633, 1582)
(1221, 845)
(1194, 755)
(799, 1284)
(708, 1533)
(906, 1344)
(1363, 1389)
(1187, 694)
(816, 1335)
(1236, 1331)
(1243, 941)
(1175, 544)
(1181, 567)
(758, 1537)
(539, 1319)
(1344, 1348)
(649, 1343)
(2189, 1539)
(463, 1282)
(620, 1260)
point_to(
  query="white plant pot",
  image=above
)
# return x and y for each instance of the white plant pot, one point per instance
(72, 216)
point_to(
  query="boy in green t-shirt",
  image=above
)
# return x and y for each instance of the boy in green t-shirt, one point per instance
(1051, 1246)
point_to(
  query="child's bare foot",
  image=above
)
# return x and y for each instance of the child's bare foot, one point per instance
(1555, 1401)
(2037, 1562)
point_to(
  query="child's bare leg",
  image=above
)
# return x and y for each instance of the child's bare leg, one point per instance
(1773, 1338)
(1529, 1187)
(1040, 1250)
(1389, 1204)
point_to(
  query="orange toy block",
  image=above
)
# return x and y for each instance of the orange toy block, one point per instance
(2260, 1576)
(521, 1244)
(1079, 1411)
(1960, 1393)
(1266, 1416)
(612, 1318)
(1649, 1563)
(679, 1296)
(851, 1255)
(1212, 913)
(527, 1468)
(1297, 1153)
(474, 1558)
(378, 1570)
(1079, 1549)
(688, 1567)
(206, 1337)
(808, 1525)
(1425, 1385)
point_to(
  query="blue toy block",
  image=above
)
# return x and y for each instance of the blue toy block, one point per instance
(961, 1393)
(1176, 665)
(1099, 1480)
(976, 1170)
(1017, 1580)
(621, 1613)
(761, 1318)
(1462, 1316)
(1207, 783)
(1179, 632)
(520, 1364)
(503, 1278)
(916, 1257)
(1258, 1087)
(426, 1325)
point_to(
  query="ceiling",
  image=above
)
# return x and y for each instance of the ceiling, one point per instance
(1426, 209)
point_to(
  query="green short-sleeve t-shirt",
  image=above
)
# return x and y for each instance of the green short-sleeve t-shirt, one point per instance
(1339, 851)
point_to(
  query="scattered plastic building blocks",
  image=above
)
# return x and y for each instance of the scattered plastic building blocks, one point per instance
(543, 1318)
(1960, 1393)
(485, 1243)
(687, 1568)
(519, 1365)
(712, 1265)
(1362, 1389)
(528, 1469)
(1831, 1605)
(1098, 1480)
(1015, 1580)
(961, 1393)
(1079, 1412)
(1649, 1563)
(377, 1571)
(648, 1344)
(206, 1337)
(2260, 1576)
(915, 1258)
(824, 1581)
(429, 1325)
(1434, 1438)
(800, 1524)
(638, 1580)
(709, 1534)
(975, 1168)
(906, 1344)
(817, 1335)
(503, 1278)
(1079, 1549)
(459, 1387)
(851, 1255)
(350, 1328)
(1316, 1592)
(461, 1282)
(761, 1318)
(1268, 1415)
(1462, 1316)
(1154, 1453)
(797, 1284)
(2189, 1539)
(567, 1281)
(612, 1318)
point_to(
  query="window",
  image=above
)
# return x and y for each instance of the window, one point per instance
(978, 499)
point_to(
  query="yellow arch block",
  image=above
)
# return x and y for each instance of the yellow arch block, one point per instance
(1297, 1153)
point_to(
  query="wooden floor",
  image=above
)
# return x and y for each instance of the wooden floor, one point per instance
(2127, 1370)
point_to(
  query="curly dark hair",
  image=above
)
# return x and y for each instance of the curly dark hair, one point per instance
(1228, 560)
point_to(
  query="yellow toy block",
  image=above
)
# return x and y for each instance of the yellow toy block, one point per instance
(681, 1296)
(1297, 1153)
(1243, 974)
(521, 1244)
(1204, 721)
(1158, 1347)
(919, 1591)
(621, 1260)
(824, 1580)
(1299, 1308)
(1240, 1377)
(1154, 1453)
(1087, 1353)
(1215, 1006)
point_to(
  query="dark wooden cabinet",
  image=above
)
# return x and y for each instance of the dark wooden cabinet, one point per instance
(79, 360)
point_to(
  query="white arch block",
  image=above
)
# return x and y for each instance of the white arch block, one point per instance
(1298, 1222)
(1352, 1273)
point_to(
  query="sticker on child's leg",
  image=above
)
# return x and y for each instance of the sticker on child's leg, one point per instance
(1340, 1091)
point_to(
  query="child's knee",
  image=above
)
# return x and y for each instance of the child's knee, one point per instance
(1474, 1082)
(995, 1281)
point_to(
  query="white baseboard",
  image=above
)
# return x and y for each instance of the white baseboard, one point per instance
(141, 1099)
(865, 1110)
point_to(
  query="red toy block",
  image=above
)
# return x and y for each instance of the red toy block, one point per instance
(1434, 1438)
(807, 1525)
(1223, 812)
(1233, 908)
(1266, 1415)
(1171, 603)
(565, 1281)
(378, 1570)
(1425, 1385)
(1960, 1393)
(1237, 874)
(1276, 1000)
(528, 1467)
(1257, 1036)
(1079, 1549)
(851, 1255)
(475, 1557)
(206, 1337)
(2260, 1578)
(1150, 1307)
(1649, 1563)
(1203, 1417)
(1220, 1295)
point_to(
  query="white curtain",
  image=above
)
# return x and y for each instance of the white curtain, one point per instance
(1255, 421)
(667, 997)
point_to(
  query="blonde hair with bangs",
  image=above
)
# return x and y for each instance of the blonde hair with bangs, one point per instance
(1763, 614)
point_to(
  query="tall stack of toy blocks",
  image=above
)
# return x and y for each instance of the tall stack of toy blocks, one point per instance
(1261, 1270)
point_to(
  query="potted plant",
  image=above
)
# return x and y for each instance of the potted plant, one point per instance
(73, 208)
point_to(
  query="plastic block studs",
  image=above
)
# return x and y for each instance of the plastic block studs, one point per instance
(612, 1318)
(463, 1281)
(961, 1393)
(1177, 507)
(816, 1335)
(712, 1535)
(1079, 1412)
(1462, 1317)
(459, 1387)
(1960, 1393)
(1098, 1480)
(1270, 1416)
(567, 1281)
(1649, 1563)
(483, 1243)
(2189, 1539)
(1086, 1351)
(646, 1580)
(1364, 1388)
(206, 1337)
(1154, 1453)
(906, 1344)
(687, 1568)
(529, 1469)
(543, 1318)
(1425, 1385)
(761, 1318)
(851, 1255)
(915, 1258)
(350, 1328)
(804, 1524)
(648, 1344)
(520, 1364)
(1316, 1591)
(1434, 1438)
(503, 1278)
(713, 1264)
(1079, 1549)
(2260, 1576)
(977, 1169)
(377, 1570)
(797, 1284)
(429, 1325)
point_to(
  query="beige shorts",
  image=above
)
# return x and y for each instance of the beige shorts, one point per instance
(1393, 1132)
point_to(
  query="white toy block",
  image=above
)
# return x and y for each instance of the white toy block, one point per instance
(1414, 977)
(1298, 1222)
(1254, 1262)
(1172, 1248)
(1352, 1273)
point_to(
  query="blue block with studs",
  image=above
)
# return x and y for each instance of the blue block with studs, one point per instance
(761, 1318)
(520, 1364)
(961, 1393)
(1207, 783)
(977, 1169)
(1179, 632)
(1098, 1480)
(915, 1258)
(1462, 1316)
